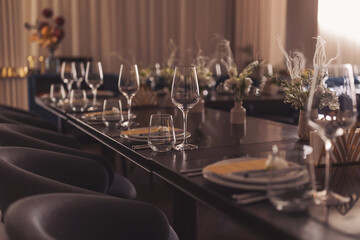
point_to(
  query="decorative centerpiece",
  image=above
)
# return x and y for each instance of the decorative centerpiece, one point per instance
(239, 85)
(297, 89)
(48, 33)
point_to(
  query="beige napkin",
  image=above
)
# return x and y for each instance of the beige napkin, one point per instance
(97, 114)
(241, 166)
(346, 148)
(145, 97)
(145, 131)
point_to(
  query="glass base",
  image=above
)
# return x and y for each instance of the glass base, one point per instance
(186, 146)
(93, 108)
(96, 107)
(329, 198)
(132, 124)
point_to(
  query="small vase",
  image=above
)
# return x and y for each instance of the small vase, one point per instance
(303, 127)
(238, 114)
(52, 63)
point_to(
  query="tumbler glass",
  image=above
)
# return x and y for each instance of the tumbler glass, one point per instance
(161, 133)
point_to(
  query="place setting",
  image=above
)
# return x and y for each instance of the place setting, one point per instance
(284, 177)
(161, 135)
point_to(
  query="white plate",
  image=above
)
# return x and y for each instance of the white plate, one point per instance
(263, 178)
(179, 135)
(97, 116)
(241, 182)
(249, 186)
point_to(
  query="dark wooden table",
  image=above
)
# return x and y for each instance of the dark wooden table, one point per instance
(217, 140)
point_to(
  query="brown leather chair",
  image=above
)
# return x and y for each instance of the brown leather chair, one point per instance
(82, 216)
(28, 171)
(12, 135)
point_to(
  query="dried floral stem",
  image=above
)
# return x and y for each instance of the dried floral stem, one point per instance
(320, 54)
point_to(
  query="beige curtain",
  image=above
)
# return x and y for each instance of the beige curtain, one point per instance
(301, 27)
(139, 30)
(257, 23)
(13, 91)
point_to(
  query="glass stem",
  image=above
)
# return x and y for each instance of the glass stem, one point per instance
(69, 85)
(328, 147)
(129, 100)
(94, 92)
(185, 115)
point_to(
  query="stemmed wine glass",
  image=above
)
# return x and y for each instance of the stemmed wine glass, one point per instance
(94, 78)
(78, 72)
(185, 95)
(67, 76)
(331, 110)
(129, 85)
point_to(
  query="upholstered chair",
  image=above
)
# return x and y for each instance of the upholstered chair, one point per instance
(82, 216)
(28, 171)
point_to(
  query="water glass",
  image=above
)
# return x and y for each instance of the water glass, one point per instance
(78, 100)
(57, 92)
(112, 113)
(161, 133)
(291, 182)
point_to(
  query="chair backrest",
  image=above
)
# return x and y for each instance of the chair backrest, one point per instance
(80, 216)
(4, 107)
(44, 134)
(10, 137)
(23, 118)
(18, 181)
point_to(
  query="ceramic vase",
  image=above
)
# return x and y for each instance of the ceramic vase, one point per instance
(52, 63)
(238, 114)
(303, 127)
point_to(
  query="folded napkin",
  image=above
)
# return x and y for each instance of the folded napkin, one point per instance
(145, 97)
(143, 131)
(346, 148)
(95, 114)
(240, 166)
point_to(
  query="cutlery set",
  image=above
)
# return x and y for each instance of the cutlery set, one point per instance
(240, 198)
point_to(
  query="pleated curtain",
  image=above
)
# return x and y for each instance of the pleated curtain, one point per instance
(139, 30)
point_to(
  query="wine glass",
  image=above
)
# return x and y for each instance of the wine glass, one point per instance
(78, 72)
(129, 85)
(94, 78)
(67, 76)
(331, 110)
(185, 95)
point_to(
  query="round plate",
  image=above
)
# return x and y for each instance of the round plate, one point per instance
(144, 137)
(253, 183)
(248, 186)
(97, 116)
(264, 178)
